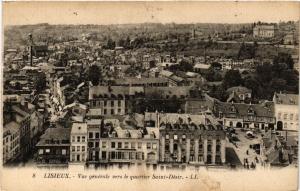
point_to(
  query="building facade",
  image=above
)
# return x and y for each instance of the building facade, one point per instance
(78, 148)
(54, 147)
(191, 139)
(286, 111)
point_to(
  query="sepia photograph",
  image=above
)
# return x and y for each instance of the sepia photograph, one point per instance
(174, 95)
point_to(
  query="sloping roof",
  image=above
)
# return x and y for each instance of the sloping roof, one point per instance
(265, 109)
(20, 111)
(79, 128)
(238, 89)
(140, 80)
(166, 73)
(287, 99)
(84, 107)
(202, 66)
(54, 134)
(115, 90)
(168, 91)
(12, 126)
(233, 97)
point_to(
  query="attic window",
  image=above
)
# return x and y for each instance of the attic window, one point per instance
(79, 127)
(250, 111)
(232, 109)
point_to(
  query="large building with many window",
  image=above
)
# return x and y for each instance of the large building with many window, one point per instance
(189, 139)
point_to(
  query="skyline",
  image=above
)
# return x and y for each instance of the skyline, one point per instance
(147, 12)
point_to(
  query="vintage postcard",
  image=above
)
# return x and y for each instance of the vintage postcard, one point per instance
(172, 95)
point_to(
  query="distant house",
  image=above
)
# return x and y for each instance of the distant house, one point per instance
(201, 68)
(238, 94)
(289, 39)
(264, 31)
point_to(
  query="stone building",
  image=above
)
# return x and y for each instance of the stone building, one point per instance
(286, 111)
(190, 139)
(78, 149)
(54, 147)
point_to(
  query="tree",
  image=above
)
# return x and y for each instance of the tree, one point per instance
(232, 78)
(110, 44)
(253, 85)
(278, 84)
(284, 58)
(94, 75)
(263, 73)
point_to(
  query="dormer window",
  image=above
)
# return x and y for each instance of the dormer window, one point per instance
(250, 111)
(232, 109)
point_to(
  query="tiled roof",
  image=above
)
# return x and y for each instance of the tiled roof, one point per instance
(140, 80)
(79, 128)
(239, 89)
(264, 110)
(12, 126)
(55, 134)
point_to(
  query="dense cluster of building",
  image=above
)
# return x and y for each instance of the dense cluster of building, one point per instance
(142, 110)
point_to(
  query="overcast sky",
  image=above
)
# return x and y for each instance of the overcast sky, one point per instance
(18, 13)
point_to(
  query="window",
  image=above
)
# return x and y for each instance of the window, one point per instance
(133, 145)
(175, 137)
(91, 144)
(154, 146)
(105, 111)
(285, 116)
(47, 150)
(148, 145)
(112, 103)
(97, 144)
(119, 111)
(73, 148)
(113, 144)
(183, 137)
(297, 117)
(41, 151)
(83, 138)
(139, 145)
(63, 151)
(119, 144)
(97, 135)
(208, 147)
(291, 116)
(83, 148)
(175, 147)
(105, 103)
(119, 103)
(103, 144)
(103, 154)
(279, 116)
(78, 148)
(126, 145)
(112, 111)
(167, 136)
(91, 135)
(78, 138)
(73, 138)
